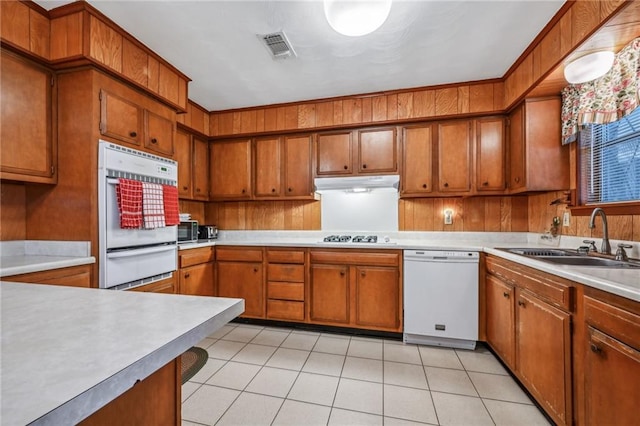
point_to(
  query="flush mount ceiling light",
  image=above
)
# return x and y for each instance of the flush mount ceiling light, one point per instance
(588, 67)
(356, 17)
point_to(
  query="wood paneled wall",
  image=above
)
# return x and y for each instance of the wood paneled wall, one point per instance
(195, 208)
(541, 214)
(490, 214)
(264, 215)
(13, 212)
(438, 101)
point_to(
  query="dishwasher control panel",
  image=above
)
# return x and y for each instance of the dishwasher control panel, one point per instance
(442, 254)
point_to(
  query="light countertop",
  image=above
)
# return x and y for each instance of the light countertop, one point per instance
(68, 351)
(23, 257)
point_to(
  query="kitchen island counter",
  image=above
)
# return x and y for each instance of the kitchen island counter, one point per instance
(67, 352)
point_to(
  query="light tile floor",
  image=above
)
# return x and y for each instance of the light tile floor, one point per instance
(279, 376)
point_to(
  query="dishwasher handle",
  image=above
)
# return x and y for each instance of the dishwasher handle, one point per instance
(438, 259)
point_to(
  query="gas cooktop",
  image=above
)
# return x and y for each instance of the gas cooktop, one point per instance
(355, 239)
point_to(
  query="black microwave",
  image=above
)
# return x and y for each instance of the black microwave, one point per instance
(188, 231)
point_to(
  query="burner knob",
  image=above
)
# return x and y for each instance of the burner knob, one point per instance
(386, 239)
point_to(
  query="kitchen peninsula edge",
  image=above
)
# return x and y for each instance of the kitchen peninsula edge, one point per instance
(90, 346)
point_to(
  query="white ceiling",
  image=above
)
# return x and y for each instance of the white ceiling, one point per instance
(422, 43)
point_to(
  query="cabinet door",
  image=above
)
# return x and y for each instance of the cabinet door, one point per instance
(329, 294)
(417, 159)
(333, 154)
(297, 166)
(377, 151)
(543, 354)
(500, 318)
(168, 286)
(612, 381)
(200, 172)
(230, 169)
(454, 156)
(197, 280)
(120, 119)
(27, 149)
(268, 167)
(490, 154)
(185, 161)
(158, 134)
(516, 149)
(377, 297)
(243, 280)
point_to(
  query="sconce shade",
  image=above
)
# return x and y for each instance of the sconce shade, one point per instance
(588, 67)
(356, 17)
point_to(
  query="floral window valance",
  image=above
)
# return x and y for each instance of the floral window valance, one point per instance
(605, 99)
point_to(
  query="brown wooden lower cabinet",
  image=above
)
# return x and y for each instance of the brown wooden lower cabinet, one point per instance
(75, 276)
(528, 323)
(155, 400)
(239, 273)
(612, 359)
(168, 285)
(356, 289)
(196, 275)
(286, 272)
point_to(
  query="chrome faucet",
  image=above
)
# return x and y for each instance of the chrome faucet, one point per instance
(605, 248)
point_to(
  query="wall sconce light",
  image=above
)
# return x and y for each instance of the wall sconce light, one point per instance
(448, 216)
(589, 67)
(356, 18)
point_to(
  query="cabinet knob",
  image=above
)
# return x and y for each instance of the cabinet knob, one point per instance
(595, 348)
(187, 275)
(485, 183)
(255, 269)
(342, 273)
(133, 134)
(363, 274)
(364, 166)
(290, 189)
(185, 188)
(517, 179)
(506, 294)
(197, 189)
(446, 185)
(345, 167)
(521, 303)
(244, 190)
(273, 190)
(154, 140)
(424, 185)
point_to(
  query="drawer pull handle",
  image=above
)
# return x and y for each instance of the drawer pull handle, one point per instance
(595, 348)
(506, 294)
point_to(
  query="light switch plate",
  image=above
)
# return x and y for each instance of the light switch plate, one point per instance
(448, 217)
(566, 219)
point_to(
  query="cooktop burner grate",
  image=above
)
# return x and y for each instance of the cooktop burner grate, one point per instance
(349, 238)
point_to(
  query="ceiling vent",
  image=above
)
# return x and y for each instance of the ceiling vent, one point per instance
(278, 45)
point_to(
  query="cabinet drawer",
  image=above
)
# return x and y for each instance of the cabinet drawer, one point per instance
(242, 254)
(615, 321)
(285, 291)
(285, 256)
(196, 256)
(283, 272)
(279, 309)
(348, 257)
(75, 276)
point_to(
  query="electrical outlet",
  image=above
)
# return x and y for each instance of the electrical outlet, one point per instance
(566, 219)
(448, 217)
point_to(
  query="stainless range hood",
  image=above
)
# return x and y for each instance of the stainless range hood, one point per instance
(388, 183)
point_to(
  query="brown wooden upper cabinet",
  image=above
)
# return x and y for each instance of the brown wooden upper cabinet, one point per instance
(417, 158)
(454, 156)
(124, 121)
(283, 167)
(362, 151)
(230, 170)
(28, 148)
(192, 155)
(490, 154)
(537, 160)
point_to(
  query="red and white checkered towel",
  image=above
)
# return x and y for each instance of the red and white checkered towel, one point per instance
(171, 209)
(152, 205)
(129, 194)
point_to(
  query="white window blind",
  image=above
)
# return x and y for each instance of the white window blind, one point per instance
(610, 161)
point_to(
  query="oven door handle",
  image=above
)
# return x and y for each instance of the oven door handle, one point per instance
(138, 252)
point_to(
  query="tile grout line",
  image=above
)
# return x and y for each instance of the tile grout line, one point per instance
(474, 387)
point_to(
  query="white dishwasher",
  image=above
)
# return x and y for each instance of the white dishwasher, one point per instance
(441, 298)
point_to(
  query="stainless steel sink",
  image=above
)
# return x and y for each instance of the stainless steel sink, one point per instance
(588, 261)
(536, 252)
